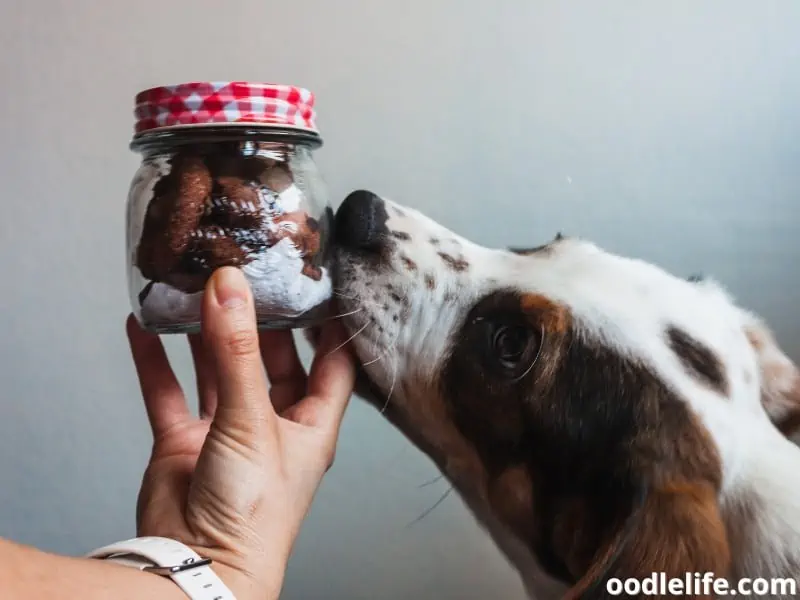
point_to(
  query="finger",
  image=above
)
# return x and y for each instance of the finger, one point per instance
(205, 376)
(231, 338)
(286, 374)
(330, 383)
(163, 398)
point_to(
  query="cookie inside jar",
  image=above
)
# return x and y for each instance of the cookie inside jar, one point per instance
(241, 204)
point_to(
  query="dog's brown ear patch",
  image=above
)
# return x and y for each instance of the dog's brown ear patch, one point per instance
(698, 360)
(780, 379)
(677, 530)
(542, 249)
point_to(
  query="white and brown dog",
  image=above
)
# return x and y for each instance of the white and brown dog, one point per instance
(601, 417)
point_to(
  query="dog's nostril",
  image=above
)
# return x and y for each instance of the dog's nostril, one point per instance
(361, 221)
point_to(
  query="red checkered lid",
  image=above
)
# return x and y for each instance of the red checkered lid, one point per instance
(228, 102)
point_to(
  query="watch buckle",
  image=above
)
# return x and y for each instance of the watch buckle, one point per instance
(186, 565)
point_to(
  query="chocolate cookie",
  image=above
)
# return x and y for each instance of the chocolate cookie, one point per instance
(174, 212)
(235, 203)
(211, 247)
(214, 247)
(226, 164)
(254, 167)
(301, 229)
(305, 234)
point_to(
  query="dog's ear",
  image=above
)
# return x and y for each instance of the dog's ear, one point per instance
(676, 529)
(779, 376)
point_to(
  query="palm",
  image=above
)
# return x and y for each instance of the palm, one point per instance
(189, 452)
(236, 482)
(168, 477)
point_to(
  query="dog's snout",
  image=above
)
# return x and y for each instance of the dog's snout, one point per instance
(361, 222)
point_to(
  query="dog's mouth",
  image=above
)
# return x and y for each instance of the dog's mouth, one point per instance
(371, 296)
(363, 319)
(401, 284)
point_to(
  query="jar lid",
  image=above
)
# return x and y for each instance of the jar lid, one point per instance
(228, 102)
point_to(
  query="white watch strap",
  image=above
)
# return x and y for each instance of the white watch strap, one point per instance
(170, 558)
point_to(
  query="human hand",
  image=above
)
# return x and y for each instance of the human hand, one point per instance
(236, 483)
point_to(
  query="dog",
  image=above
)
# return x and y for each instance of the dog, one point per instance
(600, 417)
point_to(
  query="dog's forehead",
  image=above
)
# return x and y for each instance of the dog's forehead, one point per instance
(688, 333)
(602, 288)
(610, 293)
(629, 303)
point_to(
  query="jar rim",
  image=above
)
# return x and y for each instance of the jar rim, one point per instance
(223, 132)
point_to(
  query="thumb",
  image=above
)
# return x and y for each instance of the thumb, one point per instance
(230, 335)
(227, 481)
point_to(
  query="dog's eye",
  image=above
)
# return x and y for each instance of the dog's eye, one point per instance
(509, 343)
(510, 347)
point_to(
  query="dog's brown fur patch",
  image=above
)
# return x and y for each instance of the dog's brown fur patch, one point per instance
(596, 433)
(408, 263)
(511, 498)
(552, 317)
(456, 264)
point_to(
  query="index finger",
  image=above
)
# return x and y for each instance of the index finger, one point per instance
(164, 400)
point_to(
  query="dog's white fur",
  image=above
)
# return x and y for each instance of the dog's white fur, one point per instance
(625, 303)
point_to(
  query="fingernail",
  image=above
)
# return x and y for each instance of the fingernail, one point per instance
(230, 287)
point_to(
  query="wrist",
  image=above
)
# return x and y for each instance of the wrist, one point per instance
(198, 572)
(247, 578)
(244, 586)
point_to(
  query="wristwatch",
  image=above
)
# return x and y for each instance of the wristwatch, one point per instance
(168, 558)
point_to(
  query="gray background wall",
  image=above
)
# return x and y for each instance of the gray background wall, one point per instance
(667, 130)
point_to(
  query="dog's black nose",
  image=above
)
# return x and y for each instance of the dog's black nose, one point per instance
(361, 222)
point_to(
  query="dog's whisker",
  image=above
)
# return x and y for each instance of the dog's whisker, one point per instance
(536, 358)
(374, 360)
(431, 482)
(389, 347)
(362, 301)
(432, 508)
(391, 387)
(348, 340)
(347, 314)
(341, 294)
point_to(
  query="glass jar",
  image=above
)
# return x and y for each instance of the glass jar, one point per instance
(227, 179)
